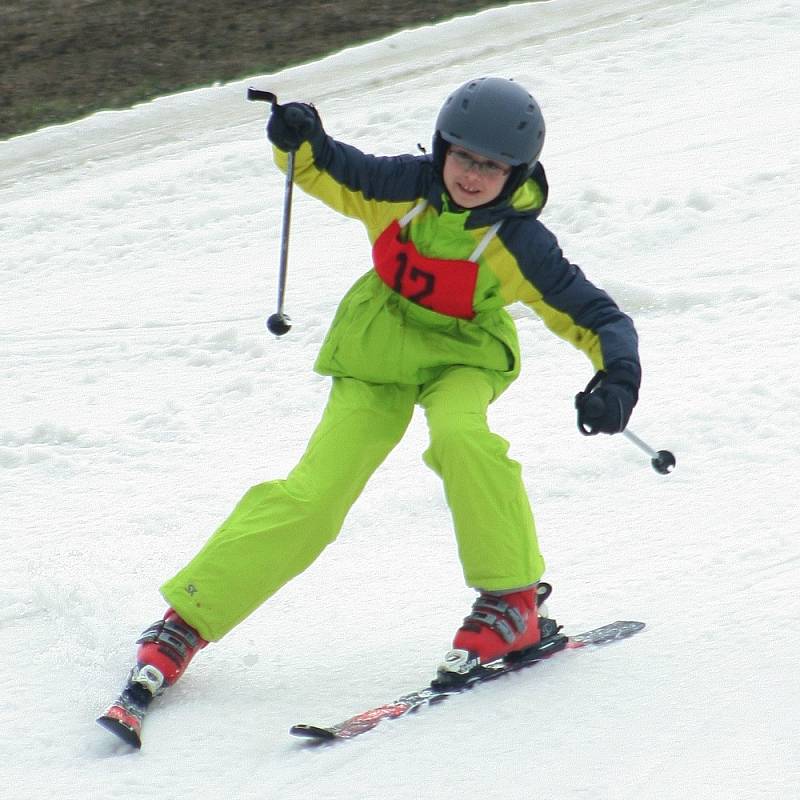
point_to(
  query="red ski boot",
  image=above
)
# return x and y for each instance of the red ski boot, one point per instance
(165, 650)
(500, 626)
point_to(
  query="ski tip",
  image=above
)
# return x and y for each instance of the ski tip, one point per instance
(606, 633)
(312, 732)
(124, 732)
(630, 626)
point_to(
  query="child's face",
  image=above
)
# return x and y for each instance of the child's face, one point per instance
(473, 180)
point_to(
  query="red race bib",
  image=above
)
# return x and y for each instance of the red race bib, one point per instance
(440, 284)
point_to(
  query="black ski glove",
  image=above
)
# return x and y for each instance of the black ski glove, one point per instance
(605, 405)
(291, 125)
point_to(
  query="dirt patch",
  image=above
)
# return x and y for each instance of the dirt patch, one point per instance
(63, 59)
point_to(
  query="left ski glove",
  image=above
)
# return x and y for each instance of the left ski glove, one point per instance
(606, 404)
(292, 124)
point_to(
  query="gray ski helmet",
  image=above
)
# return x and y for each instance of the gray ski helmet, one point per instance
(494, 117)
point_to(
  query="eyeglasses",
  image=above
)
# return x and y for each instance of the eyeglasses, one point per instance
(487, 169)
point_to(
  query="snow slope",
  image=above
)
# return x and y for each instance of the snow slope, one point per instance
(141, 395)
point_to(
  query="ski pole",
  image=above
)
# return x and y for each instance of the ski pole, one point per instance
(278, 323)
(663, 461)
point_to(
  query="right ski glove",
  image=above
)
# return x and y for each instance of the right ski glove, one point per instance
(605, 405)
(292, 124)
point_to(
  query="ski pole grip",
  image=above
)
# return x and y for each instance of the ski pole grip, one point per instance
(260, 94)
(590, 405)
(294, 116)
(593, 407)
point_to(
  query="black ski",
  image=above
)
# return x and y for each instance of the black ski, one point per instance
(124, 717)
(439, 690)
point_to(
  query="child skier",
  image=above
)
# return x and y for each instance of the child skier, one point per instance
(456, 238)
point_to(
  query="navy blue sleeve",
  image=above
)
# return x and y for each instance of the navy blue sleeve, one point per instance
(567, 296)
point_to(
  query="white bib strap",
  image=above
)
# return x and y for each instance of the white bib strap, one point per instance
(484, 243)
(418, 209)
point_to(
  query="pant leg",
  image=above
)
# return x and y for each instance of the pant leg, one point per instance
(279, 528)
(492, 516)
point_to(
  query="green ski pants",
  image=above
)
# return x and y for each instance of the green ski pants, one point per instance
(279, 528)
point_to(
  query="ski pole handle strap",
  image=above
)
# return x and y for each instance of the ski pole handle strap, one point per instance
(585, 401)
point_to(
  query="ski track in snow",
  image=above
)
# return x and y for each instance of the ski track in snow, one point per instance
(142, 396)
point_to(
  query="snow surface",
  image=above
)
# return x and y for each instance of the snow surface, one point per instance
(141, 396)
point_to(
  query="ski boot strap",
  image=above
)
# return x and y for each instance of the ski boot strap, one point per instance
(176, 639)
(493, 612)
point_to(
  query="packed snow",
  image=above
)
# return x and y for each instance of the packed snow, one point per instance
(142, 395)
